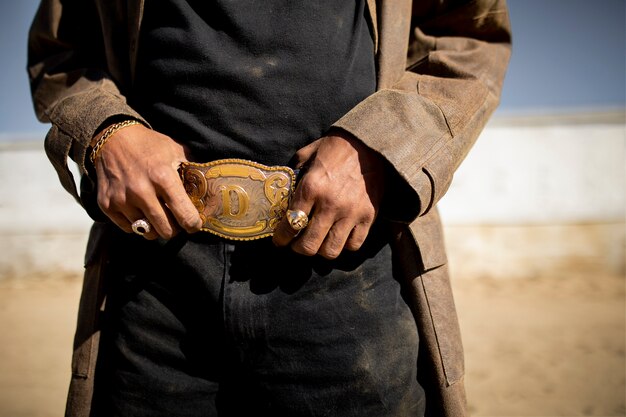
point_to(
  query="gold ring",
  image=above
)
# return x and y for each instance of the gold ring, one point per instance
(141, 227)
(297, 219)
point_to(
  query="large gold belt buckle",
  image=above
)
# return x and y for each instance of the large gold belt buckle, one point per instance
(238, 199)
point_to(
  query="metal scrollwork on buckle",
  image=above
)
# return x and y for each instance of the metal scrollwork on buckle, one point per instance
(238, 199)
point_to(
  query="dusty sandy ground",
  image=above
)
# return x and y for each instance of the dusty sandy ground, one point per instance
(548, 346)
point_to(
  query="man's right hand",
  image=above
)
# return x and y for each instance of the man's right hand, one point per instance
(137, 172)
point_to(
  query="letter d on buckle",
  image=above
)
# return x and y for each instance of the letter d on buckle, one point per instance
(238, 199)
(241, 201)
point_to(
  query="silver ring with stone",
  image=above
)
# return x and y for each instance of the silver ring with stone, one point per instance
(297, 219)
(141, 227)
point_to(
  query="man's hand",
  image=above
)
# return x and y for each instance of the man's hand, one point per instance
(138, 178)
(340, 191)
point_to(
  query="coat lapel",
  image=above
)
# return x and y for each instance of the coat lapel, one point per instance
(394, 23)
(135, 16)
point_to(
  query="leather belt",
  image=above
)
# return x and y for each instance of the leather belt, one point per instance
(238, 199)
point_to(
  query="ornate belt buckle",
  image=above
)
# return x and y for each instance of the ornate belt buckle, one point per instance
(238, 199)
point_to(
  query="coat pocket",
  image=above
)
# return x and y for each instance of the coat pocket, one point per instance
(427, 234)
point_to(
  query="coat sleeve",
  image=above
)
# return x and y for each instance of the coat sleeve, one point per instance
(425, 118)
(70, 85)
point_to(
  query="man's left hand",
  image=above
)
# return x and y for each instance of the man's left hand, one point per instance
(340, 191)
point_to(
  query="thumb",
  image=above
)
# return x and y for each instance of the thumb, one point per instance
(181, 154)
(304, 154)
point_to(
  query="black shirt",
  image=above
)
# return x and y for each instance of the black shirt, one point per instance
(251, 79)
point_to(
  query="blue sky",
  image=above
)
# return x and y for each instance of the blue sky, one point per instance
(569, 55)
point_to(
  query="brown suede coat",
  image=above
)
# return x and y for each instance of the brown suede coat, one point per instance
(440, 67)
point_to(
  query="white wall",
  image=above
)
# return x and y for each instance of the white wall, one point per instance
(42, 229)
(542, 170)
(539, 172)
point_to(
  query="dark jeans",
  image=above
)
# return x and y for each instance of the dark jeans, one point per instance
(200, 327)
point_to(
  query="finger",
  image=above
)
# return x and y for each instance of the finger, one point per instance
(336, 239)
(357, 236)
(120, 221)
(142, 201)
(135, 214)
(302, 200)
(124, 219)
(161, 224)
(144, 204)
(311, 238)
(179, 204)
(162, 221)
(284, 233)
(304, 154)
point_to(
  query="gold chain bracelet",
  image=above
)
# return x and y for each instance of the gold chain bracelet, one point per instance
(111, 130)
